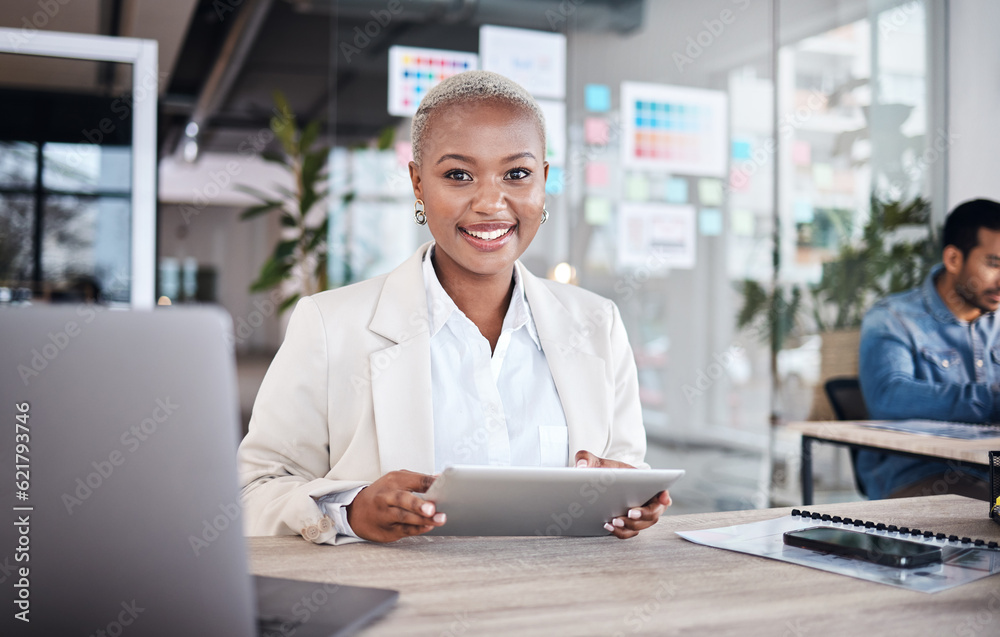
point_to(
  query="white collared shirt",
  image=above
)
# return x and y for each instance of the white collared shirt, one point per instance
(500, 408)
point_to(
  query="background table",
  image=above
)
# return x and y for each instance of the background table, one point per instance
(969, 453)
(654, 584)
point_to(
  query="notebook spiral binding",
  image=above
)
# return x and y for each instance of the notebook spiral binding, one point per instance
(901, 530)
(995, 486)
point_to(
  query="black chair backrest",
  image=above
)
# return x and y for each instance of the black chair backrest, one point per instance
(846, 399)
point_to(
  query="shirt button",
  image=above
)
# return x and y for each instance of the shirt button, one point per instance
(979, 363)
(944, 364)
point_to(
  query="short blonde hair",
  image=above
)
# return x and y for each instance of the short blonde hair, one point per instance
(472, 86)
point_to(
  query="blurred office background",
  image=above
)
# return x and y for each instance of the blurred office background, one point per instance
(720, 169)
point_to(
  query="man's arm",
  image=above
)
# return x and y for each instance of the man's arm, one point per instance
(892, 391)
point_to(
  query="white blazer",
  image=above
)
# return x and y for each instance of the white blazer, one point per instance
(347, 397)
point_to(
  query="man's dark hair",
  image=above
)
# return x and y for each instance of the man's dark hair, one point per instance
(961, 228)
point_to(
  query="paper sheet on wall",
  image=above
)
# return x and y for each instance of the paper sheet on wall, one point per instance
(655, 236)
(960, 563)
(534, 59)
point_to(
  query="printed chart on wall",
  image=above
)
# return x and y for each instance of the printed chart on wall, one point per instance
(674, 128)
(534, 59)
(655, 236)
(414, 71)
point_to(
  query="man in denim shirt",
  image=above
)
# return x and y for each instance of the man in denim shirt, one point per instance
(934, 353)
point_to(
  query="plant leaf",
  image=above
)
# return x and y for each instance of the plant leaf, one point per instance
(256, 211)
(287, 303)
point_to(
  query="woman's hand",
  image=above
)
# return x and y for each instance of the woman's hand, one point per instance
(387, 510)
(638, 518)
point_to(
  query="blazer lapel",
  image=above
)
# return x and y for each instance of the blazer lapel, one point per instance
(579, 374)
(401, 373)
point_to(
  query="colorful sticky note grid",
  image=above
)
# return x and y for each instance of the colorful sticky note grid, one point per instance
(670, 131)
(597, 98)
(597, 211)
(404, 153)
(420, 73)
(742, 222)
(597, 175)
(801, 153)
(556, 181)
(595, 130)
(709, 192)
(710, 222)
(823, 176)
(803, 210)
(741, 149)
(637, 188)
(739, 179)
(677, 190)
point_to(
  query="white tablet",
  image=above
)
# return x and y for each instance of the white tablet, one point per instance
(481, 500)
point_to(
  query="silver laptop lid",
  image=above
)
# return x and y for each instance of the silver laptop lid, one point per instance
(120, 435)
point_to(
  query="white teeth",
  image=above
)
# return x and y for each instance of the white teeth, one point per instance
(489, 236)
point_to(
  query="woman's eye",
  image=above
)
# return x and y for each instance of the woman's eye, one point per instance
(518, 173)
(458, 175)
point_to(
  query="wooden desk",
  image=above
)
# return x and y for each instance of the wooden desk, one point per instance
(654, 584)
(969, 453)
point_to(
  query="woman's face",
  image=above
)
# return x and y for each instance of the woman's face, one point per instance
(482, 181)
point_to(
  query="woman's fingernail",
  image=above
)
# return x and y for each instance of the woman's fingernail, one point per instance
(427, 509)
(582, 462)
(440, 518)
(609, 528)
(618, 522)
(634, 514)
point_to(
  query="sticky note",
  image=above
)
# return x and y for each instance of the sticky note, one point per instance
(597, 174)
(637, 188)
(801, 153)
(803, 211)
(710, 222)
(741, 149)
(597, 97)
(557, 179)
(742, 222)
(739, 179)
(595, 130)
(823, 176)
(677, 190)
(710, 192)
(597, 211)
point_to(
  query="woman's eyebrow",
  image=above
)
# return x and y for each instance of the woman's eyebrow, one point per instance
(470, 160)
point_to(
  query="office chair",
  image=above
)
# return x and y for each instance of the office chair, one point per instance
(848, 404)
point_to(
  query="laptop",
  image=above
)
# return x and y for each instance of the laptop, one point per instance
(121, 512)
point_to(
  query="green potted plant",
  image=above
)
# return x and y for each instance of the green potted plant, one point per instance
(298, 263)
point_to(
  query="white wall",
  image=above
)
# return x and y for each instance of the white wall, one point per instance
(974, 100)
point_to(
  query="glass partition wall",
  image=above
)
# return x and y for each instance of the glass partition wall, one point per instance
(77, 168)
(711, 161)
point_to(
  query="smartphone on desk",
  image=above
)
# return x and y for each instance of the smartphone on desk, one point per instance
(878, 549)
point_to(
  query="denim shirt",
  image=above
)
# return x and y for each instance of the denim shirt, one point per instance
(918, 360)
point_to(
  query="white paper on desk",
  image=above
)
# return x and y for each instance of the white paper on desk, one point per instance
(764, 539)
(957, 430)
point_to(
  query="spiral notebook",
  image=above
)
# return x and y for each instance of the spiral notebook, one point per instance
(964, 559)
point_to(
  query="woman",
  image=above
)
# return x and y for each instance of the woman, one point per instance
(460, 355)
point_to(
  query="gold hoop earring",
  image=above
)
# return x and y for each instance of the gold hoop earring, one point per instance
(418, 213)
(545, 216)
